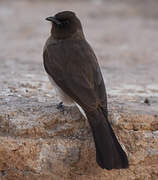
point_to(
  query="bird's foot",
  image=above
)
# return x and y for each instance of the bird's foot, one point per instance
(61, 107)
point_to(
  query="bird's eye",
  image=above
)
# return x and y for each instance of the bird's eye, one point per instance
(66, 22)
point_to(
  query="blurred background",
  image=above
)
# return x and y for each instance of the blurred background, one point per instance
(123, 34)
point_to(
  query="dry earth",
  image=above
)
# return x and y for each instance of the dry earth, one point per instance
(37, 141)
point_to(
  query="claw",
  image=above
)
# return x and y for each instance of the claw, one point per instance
(61, 108)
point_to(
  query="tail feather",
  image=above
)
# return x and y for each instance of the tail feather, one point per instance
(109, 153)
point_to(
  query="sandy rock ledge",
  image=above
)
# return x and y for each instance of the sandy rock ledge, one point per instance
(39, 142)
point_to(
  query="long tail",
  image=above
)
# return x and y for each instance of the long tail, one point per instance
(109, 153)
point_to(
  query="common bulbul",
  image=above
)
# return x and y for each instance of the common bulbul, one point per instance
(73, 69)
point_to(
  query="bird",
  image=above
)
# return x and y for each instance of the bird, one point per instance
(74, 71)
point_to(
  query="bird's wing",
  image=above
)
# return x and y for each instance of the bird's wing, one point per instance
(74, 68)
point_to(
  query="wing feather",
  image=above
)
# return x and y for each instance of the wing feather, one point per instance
(74, 67)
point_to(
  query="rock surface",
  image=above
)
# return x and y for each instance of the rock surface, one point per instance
(39, 142)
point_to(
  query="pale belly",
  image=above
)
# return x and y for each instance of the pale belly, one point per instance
(64, 97)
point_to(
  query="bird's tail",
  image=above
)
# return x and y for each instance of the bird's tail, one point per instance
(109, 153)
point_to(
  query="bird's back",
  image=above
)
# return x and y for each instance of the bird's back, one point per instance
(75, 59)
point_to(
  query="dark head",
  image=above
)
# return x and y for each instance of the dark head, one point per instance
(65, 24)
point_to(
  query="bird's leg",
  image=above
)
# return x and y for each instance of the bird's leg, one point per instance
(61, 107)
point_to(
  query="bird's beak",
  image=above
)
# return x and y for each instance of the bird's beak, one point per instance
(54, 20)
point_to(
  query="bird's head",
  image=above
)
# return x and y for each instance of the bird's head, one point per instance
(65, 24)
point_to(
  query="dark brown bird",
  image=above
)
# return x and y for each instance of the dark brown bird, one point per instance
(73, 68)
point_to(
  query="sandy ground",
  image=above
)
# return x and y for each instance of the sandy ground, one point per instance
(123, 35)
